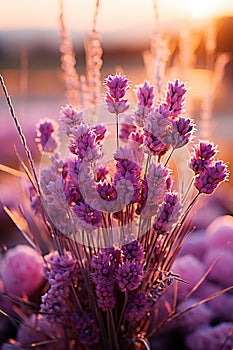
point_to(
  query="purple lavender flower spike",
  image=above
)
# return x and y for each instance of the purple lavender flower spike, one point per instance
(202, 157)
(69, 118)
(107, 191)
(156, 129)
(175, 98)
(133, 250)
(154, 145)
(101, 173)
(88, 217)
(129, 275)
(102, 263)
(208, 179)
(145, 95)
(87, 331)
(85, 145)
(116, 85)
(46, 142)
(181, 132)
(137, 306)
(169, 214)
(158, 183)
(100, 132)
(62, 271)
(105, 292)
(103, 277)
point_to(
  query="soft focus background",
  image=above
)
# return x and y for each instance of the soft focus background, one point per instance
(198, 36)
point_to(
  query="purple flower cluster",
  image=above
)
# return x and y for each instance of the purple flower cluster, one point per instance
(169, 214)
(130, 272)
(77, 173)
(155, 133)
(86, 329)
(175, 98)
(46, 142)
(69, 118)
(137, 306)
(116, 85)
(86, 145)
(202, 156)
(209, 173)
(145, 95)
(103, 277)
(62, 271)
(181, 132)
(115, 267)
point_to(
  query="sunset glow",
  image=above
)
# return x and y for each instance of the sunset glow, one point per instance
(113, 15)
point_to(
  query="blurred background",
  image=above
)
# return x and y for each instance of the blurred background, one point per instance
(155, 40)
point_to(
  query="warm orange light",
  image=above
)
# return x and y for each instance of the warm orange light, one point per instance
(201, 9)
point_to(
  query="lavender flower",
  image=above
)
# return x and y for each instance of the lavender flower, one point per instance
(145, 95)
(158, 180)
(105, 293)
(154, 145)
(129, 275)
(181, 132)
(133, 250)
(175, 98)
(116, 85)
(137, 306)
(85, 144)
(69, 118)
(89, 218)
(62, 272)
(169, 214)
(156, 129)
(208, 179)
(86, 328)
(101, 173)
(107, 191)
(100, 132)
(103, 265)
(46, 142)
(203, 155)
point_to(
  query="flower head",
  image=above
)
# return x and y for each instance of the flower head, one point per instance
(46, 142)
(203, 155)
(89, 218)
(86, 329)
(208, 179)
(137, 306)
(69, 118)
(181, 132)
(116, 85)
(169, 214)
(145, 95)
(129, 275)
(175, 98)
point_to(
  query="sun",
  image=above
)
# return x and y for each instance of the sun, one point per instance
(201, 9)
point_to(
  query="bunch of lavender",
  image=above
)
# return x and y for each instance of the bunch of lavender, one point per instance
(115, 227)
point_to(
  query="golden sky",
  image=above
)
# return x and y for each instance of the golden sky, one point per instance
(113, 14)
